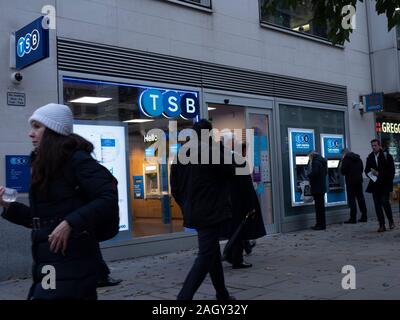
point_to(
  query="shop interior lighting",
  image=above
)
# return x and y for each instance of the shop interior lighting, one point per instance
(211, 108)
(138, 120)
(303, 28)
(397, 9)
(150, 168)
(90, 100)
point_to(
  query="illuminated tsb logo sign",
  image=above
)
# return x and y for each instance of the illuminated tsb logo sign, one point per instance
(388, 127)
(170, 104)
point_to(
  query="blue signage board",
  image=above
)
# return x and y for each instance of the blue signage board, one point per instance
(332, 146)
(374, 102)
(169, 103)
(138, 190)
(18, 172)
(301, 143)
(31, 44)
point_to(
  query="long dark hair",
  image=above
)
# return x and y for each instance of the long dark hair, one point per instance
(50, 157)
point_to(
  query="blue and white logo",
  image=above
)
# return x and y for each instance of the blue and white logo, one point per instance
(170, 104)
(302, 138)
(19, 161)
(31, 44)
(333, 143)
(28, 43)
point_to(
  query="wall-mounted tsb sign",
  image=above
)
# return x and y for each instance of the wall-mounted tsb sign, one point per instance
(169, 103)
(32, 44)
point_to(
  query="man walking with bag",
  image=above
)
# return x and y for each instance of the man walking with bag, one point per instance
(352, 168)
(380, 171)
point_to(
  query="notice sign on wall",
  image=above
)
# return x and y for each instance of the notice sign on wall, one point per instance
(18, 172)
(16, 99)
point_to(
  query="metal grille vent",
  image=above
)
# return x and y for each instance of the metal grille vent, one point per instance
(91, 58)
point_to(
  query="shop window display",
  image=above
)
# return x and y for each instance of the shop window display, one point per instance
(153, 210)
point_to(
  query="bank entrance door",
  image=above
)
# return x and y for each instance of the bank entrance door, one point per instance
(260, 121)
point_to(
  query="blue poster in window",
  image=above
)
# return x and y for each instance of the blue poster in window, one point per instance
(18, 172)
(138, 191)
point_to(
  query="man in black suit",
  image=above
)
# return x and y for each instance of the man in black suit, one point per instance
(352, 168)
(202, 192)
(380, 170)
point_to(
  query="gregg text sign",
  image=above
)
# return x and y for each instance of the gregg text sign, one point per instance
(32, 44)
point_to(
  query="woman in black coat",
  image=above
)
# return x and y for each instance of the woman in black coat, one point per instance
(62, 214)
(244, 200)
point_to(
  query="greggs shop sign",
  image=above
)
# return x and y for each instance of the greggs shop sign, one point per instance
(388, 127)
(169, 103)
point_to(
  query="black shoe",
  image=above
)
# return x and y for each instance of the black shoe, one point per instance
(108, 282)
(391, 225)
(318, 228)
(243, 265)
(249, 245)
(382, 229)
(351, 221)
(229, 297)
(363, 220)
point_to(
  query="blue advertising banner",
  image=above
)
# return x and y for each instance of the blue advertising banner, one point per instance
(332, 146)
(138, 190)
(32, 44)
(301, 143)
(18, 172)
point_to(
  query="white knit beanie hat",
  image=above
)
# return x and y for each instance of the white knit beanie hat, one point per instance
(57, 117)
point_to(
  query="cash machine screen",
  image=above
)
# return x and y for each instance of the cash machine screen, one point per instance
(301, 160)
(333, 164)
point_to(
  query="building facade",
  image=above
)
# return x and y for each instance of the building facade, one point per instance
(226, 59)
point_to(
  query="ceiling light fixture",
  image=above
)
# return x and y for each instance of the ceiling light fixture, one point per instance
(138, 120)
(90, 100)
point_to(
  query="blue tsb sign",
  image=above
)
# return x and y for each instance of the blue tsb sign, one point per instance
(170, 104)
(32, 44)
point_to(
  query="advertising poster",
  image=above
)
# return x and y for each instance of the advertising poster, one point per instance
(18, 172)
(332, 146)
(301, 143)
(110, 151)
(138, 190)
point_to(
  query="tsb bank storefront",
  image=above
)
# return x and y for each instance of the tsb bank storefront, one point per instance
(117, 117)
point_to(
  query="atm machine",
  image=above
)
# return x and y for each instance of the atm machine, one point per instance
(151, 174)
(301, 143)
(331, 149)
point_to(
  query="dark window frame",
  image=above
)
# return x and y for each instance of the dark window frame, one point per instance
(193, 4)
(278, 27)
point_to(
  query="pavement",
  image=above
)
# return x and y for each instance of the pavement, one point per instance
(300, 265)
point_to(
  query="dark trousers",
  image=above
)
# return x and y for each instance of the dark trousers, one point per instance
(355, 192)
(208, 260)
(320, 209)
(382, 200)
(103, 271)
